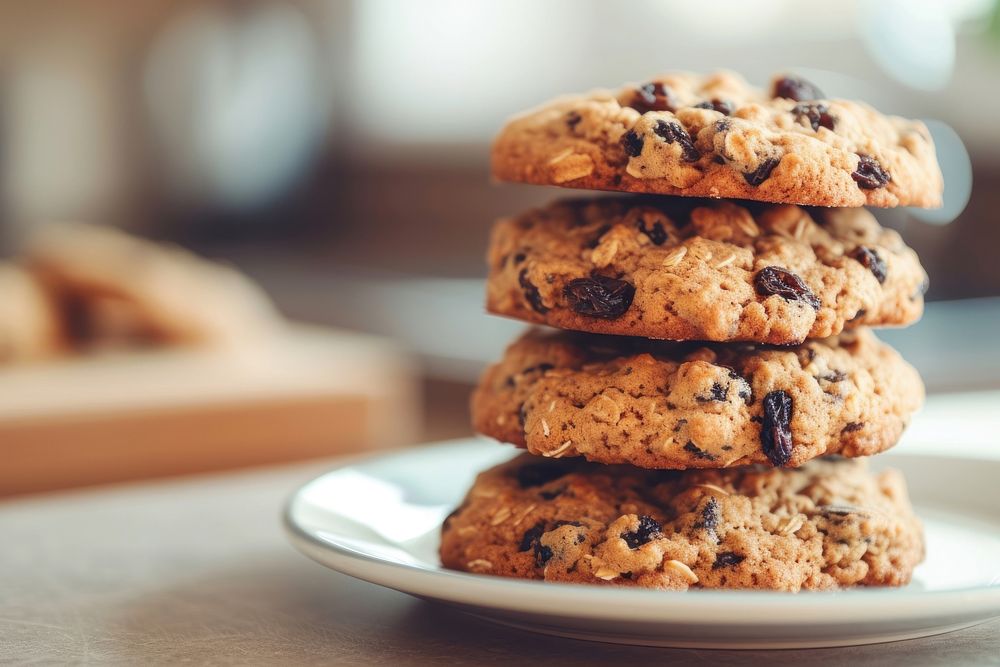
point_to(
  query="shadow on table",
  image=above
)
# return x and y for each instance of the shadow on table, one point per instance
(284, 610)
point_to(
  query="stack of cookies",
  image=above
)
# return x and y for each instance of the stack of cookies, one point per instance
(698, 414)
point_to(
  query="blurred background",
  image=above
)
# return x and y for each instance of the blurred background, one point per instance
(336, 152)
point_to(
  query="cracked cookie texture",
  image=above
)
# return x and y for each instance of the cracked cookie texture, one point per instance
(688, 269)
(717, 136)
(657, 404)
(831, 524)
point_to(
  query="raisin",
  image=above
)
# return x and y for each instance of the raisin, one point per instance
(697, 452)
(795, 88)
(718, 392)
(722, 106)
(656, 233)
(520, 257)
(723, 124)
(653, 96)
(632, 143)
(852, 427)
(542, 554)
(709, 515)
(531, 293)
(762, 172)
(776, 430)
(551, 494)
(727, 559)
(536, 474)
(817, 114)
(531, 536)
(599, 296)
(774, 280)
(573, 119)
(834, 376)
(871, 261)
(647, 530)
(870, 175)
(671, 132)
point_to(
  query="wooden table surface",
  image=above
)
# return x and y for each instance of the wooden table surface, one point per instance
(197, 570)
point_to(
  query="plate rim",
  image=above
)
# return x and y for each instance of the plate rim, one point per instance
(599, 602)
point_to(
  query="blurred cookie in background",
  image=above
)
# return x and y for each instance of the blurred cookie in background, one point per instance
(31, 327)
(115, 288)
(164, 363)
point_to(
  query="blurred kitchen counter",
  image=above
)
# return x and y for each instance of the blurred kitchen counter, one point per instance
(198, 571)
(306, 392)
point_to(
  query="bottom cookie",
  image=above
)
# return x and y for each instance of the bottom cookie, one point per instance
(830, 524)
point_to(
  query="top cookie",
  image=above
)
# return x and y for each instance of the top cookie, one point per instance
(717, 136)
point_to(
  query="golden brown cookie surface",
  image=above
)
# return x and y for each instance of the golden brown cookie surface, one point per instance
(716, 136)
(690, 405)
(686, 269)
(831, 524)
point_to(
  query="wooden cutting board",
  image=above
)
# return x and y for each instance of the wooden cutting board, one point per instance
(110, 417)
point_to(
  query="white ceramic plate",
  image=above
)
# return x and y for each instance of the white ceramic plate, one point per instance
(378, 519)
